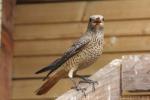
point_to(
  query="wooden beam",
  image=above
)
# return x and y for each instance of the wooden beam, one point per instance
(6, 50)
(135, 75)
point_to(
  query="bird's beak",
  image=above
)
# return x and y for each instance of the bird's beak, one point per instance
(97, 21)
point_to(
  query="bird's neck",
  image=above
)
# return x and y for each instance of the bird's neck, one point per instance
(95, 32)
(94, 29)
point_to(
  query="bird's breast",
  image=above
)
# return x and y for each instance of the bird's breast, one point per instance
(90, 53)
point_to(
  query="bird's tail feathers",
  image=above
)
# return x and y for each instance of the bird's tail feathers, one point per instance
(51, 81)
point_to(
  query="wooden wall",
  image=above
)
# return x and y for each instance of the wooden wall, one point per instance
(44, 31)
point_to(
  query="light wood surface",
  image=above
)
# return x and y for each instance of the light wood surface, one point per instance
(136, 72)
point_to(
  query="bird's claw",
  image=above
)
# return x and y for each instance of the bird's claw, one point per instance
(86, 80)
(77, 88)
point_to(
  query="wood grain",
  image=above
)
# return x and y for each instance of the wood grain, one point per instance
(47, 31)
(57, 47)
(135, 71)
(50, 12)
(119, 10)
(6, 49)
(74, 11)
(74, 30)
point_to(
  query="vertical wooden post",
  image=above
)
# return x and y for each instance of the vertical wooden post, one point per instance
(6, 49)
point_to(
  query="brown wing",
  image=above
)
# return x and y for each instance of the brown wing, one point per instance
(76, 47)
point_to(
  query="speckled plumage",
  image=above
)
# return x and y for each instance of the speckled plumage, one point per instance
(89, 54)
(84, 52)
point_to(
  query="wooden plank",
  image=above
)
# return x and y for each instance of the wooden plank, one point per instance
(74, 11)
(25, 67)
(4, 76)
(74, 30)
(6, 49)
(56, 47)
(135, 75)
(119, 10)
(50, 12)
(107, 89)
(47, 31)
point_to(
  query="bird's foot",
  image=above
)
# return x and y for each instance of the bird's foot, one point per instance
(77, 88)
(89, 81)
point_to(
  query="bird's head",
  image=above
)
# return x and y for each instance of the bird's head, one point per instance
(96, 22)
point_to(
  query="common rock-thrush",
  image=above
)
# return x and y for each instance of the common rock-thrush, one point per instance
(84, 52)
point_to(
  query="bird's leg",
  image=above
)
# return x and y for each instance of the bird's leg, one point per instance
(85, 79)
(76, 86)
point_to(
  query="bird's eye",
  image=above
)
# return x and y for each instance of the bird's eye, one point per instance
(90, 19)
(102, 19)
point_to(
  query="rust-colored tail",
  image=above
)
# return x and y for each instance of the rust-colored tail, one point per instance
(52, 80)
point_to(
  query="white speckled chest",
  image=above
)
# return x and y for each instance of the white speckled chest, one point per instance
(89, 54)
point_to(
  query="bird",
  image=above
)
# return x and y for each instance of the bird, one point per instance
(82, 53)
